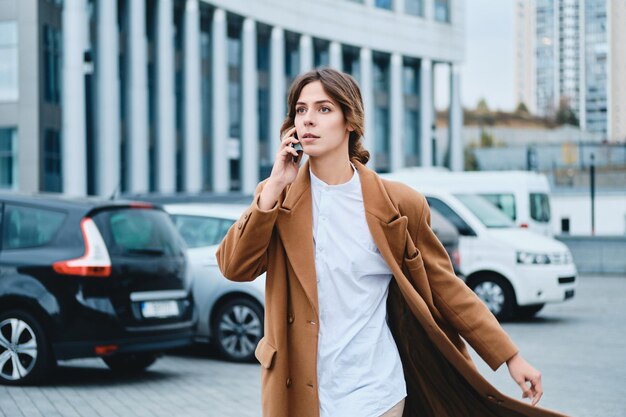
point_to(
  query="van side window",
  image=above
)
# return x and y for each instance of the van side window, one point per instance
(463, 228)
(540, 207)
(505, 202)
(28, 227)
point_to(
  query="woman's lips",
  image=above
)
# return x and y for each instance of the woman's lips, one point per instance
(309, 139)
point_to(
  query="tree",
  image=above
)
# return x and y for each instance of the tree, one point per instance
(521, 109)
(565, 114)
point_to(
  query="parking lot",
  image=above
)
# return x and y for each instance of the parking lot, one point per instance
(580, 347)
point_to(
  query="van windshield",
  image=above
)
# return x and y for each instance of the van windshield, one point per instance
(486, 212)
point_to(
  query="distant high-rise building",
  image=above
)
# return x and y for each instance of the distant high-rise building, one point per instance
(577, 61)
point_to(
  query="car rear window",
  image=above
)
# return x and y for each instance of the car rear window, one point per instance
(139, 232)
(199, 231)
(29, 227)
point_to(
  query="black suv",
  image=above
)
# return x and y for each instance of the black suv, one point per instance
(87, 277)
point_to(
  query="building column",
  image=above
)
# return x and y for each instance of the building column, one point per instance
(221, 160)
(456, 120)
(367, 92)
(278, 89)
(335, 56)
(306, 53)
(137, 96)
(426, 112)
(250, 150)
(398, 6)
(192, 101)
(429, 9)
(108, 100)
(74, 146)
(166, 128)
(397, 114)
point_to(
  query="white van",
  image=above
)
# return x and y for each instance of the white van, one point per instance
(524, 196)
(514, 271)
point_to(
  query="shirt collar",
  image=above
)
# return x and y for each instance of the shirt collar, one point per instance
(351, 184)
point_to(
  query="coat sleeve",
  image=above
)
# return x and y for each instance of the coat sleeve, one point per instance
(242, 254)
(458, 304)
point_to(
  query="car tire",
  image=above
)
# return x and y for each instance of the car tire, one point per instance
(130, 363)
(528, 312)
(25, 355)
(237, 328)
(497, 294)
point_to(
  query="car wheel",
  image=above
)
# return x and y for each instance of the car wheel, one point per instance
(25, 357)
(497, 294)
(527, 312)
(130, 363)
(237, 329)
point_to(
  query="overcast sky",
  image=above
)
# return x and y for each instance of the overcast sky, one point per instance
(489, 56)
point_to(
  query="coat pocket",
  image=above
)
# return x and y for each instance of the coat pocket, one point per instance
(415, 262)
(265, 353)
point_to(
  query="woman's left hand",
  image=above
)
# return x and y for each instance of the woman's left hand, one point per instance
(523, 373)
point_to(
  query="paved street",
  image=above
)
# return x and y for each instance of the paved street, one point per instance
(580, 347)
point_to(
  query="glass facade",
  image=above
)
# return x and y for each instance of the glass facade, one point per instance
(596, 71)
(384, 4)
(206, 74)
(8, 158)
(414, 7)
(352, 61)
(381, 111)
(321, 56)
(442, 11)
(9, 67)
(52, 162)
(411, 95)
(546, 58)
(51, 64)
(263, 100)
(235, 97)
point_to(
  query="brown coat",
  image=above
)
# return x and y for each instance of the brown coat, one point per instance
(430, 310)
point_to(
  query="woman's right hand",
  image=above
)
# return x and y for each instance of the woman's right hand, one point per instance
(284, 171)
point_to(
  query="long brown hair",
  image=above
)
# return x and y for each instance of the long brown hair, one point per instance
(342, 88)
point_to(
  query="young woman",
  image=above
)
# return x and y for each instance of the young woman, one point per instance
(364, 315)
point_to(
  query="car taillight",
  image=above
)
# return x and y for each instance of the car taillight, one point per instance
(140, 205)
(524, 225)
(95, 262)
(456, 257)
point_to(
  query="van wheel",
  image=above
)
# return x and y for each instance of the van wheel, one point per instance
(25, 357)
(237, 329)
(497, 294)
(527, 312)
(130, 363)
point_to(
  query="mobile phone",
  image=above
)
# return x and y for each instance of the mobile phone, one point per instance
(298, 148)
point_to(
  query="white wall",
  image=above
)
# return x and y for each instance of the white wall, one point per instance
(610, 213)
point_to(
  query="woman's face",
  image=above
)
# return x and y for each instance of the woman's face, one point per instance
(320, 123)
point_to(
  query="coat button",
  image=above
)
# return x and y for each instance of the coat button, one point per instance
(288, 382)
(245, 216)
(239, 225)
(290, 319)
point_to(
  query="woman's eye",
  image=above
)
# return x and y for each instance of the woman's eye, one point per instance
(325, 109)
(300, 110)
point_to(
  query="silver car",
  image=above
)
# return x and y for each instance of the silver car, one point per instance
(230, 313)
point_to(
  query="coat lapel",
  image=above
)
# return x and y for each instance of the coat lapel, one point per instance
(295, 226)
(387, 226)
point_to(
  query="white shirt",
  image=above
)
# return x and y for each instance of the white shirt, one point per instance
(358, 365)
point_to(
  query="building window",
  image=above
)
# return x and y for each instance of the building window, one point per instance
(381, 111)
(52, 64)
(9, 69)
(8, 158)
(206, 74)
(411, 133)
(263, 103)
(352, 61)
(52, 180)
(442, 11)
(321, 54)
(414, 7)
(292, 57)
(384, 4)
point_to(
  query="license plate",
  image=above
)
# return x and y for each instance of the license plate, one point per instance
(159, 309)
